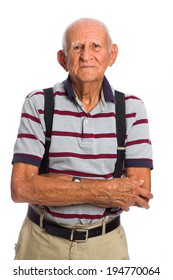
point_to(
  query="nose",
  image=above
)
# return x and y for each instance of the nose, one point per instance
(86, 53)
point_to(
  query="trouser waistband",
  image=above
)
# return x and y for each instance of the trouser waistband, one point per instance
(77, 234)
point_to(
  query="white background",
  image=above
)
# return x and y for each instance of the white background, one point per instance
(31, 33)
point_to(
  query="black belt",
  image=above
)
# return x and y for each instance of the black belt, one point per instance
(78, 235)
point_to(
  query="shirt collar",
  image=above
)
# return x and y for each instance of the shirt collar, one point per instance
(107, 90)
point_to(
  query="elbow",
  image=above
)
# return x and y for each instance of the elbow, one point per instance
(16, 193)
(15, 197)
(21, 182)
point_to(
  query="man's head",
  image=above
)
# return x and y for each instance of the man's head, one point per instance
(87, 50)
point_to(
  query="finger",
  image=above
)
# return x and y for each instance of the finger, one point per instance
(145, 193)
(141, 182)
(140, 201)
(125, 208)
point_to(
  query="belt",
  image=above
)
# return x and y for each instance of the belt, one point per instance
(78, 235)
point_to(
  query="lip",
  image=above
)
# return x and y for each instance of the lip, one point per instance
(86, 66)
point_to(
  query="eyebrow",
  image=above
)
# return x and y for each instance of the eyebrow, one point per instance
(92, 42)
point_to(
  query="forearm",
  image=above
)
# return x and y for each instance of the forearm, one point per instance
(59, 190)
(55, 190)
(140, 174)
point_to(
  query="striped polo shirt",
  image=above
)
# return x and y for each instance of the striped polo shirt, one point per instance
(82, 144)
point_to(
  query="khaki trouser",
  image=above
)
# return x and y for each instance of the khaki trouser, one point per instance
(35, 243)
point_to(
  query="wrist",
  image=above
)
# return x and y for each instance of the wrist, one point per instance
(76, 179)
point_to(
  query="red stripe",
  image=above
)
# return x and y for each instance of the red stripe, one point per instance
(132, 97)
(72, 216)
(28, 136)
(80, 174)
(25, 135)
(36, 93)
(68, 113)
(104, 115)
(137, 142)
(85, 135)
(60, 93)
(132, 115)
(28, 116)
(64, 133)
(141, 121)
(82, 156)
(82, 114)
(41, 111)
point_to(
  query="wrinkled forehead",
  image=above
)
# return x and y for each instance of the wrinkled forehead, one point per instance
(85, 32)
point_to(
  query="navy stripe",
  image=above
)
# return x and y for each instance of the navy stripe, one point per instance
(27, 158)
(141, 162)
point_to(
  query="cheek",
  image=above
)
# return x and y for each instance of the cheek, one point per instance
(72, 62)
(104, 60)
(103, 57)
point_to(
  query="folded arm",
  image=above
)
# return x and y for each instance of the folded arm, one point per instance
(60, 190)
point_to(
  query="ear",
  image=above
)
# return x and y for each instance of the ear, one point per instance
(62, 59)
(113, 54)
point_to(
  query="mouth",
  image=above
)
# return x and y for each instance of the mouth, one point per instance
(86, 66)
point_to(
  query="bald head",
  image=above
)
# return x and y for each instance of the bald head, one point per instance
(83, 24)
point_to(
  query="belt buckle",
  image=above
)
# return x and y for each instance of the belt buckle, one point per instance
(79, 230)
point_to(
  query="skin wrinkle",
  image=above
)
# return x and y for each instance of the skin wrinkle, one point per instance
(68, 29)
(86, 70)
(78, 205)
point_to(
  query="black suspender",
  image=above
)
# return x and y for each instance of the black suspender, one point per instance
(120, 128)
(121, 132)
(48, 117)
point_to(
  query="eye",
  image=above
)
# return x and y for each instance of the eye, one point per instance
(77, 47)
(96, 47)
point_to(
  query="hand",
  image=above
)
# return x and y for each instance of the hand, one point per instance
(124, 192)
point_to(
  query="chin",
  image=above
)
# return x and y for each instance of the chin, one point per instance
(88, 78)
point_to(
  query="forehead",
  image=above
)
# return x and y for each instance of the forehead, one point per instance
(86, 32)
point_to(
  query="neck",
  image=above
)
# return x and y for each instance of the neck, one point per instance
(88, 94)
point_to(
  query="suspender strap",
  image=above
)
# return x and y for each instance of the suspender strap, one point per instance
(120, 128)
(121, 132)
(48, 117)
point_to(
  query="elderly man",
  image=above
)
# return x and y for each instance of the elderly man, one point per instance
(67, 217)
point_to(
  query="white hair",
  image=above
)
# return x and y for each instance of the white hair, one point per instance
(65, 35)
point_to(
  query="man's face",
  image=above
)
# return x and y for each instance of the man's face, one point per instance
(88, 52)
